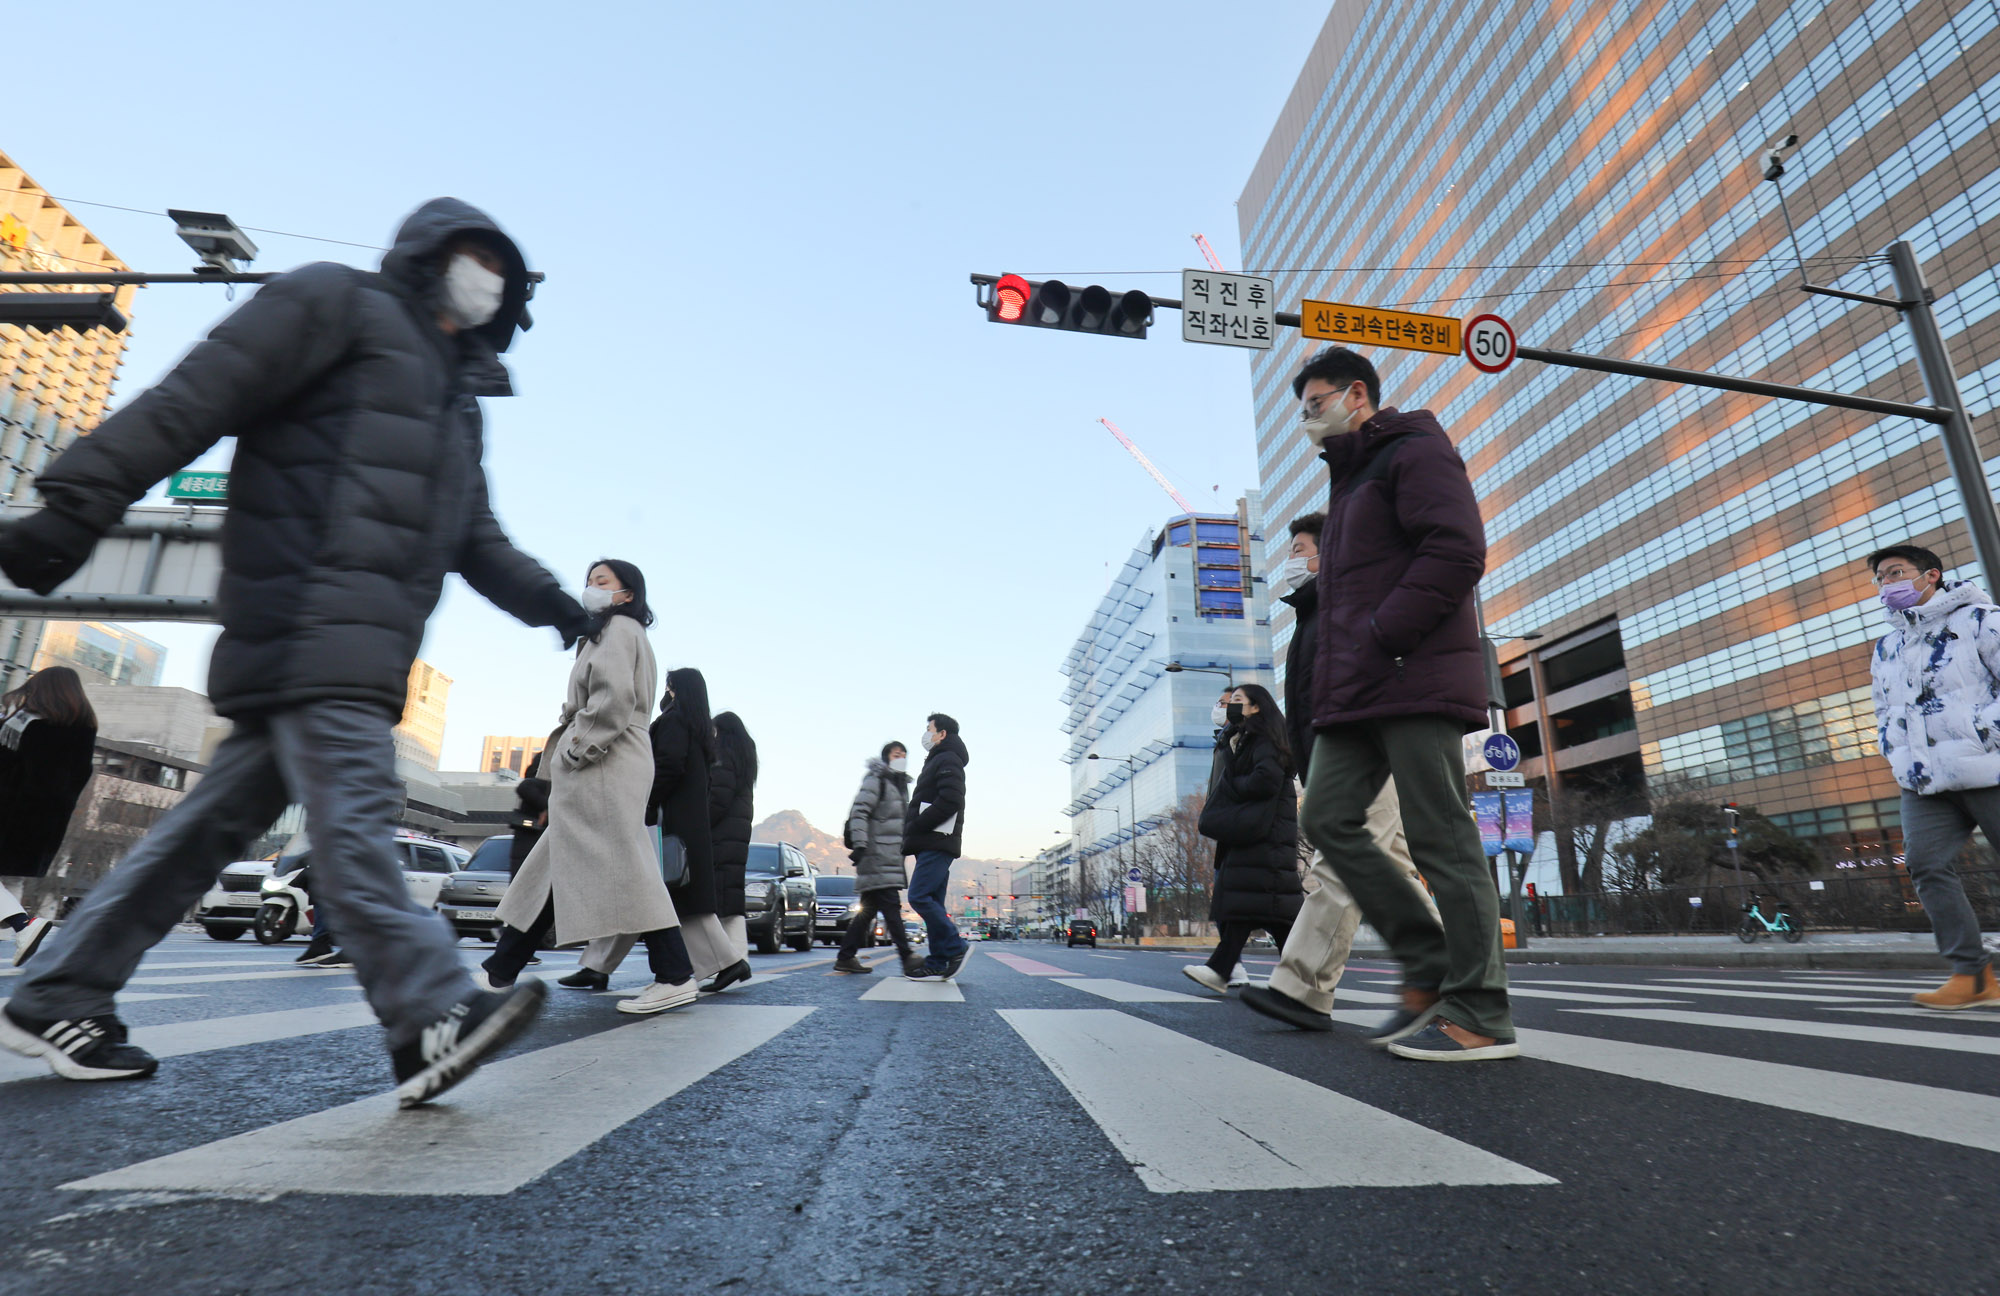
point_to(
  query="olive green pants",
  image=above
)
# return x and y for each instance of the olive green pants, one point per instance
(1425, 755)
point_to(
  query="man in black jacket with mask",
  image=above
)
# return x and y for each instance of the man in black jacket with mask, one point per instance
(355, 488)
(934, 831)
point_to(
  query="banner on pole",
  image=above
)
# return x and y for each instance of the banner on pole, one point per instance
(1488, 809)
(1519, 815)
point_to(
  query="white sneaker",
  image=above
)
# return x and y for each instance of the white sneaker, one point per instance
(1239, 976)
(659, 997)
(29, 939)
(1205, 976)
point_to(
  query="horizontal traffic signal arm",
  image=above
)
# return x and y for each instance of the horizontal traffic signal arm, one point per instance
(47, 312)
(1001, 296)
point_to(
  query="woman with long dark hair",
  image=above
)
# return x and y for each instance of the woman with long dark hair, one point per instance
(731, 792)
(1252, 816)
(48, 733)
(595, 871)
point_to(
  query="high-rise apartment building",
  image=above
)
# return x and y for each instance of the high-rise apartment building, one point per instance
(53, 386)
(1594, 173)
(420, 737)
(510, 752)
(101, 653)
(1190, 595)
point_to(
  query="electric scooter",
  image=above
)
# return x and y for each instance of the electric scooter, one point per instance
(287, 905)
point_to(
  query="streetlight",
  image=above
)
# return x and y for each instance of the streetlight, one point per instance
(1132, 792)
(1175, 668)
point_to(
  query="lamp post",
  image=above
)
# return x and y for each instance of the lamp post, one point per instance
(1132, 798)
(1175, 668)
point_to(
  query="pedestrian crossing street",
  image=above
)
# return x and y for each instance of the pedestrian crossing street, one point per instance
(1161, 1072)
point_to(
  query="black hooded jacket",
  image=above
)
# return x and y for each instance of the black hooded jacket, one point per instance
(938, 799)
(356, 484)
(1300, 655)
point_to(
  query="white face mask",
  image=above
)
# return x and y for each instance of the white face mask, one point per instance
(1219, 715)
(1291, 573)
(595, 598)
(899, 763)
(472, 293)
(928, 741)
(1333, 419)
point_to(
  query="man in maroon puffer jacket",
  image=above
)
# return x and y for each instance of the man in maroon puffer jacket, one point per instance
(1399, 681)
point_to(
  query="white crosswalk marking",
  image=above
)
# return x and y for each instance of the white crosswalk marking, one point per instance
(510, 1123)
(1970, 1017)
(903, 990)
(1193, 1118)
(1846, 987)
(1947, 1115)
(1513, 987)
(1824, 1030)
(181, 1038)
(1127, 992)
(285, 975)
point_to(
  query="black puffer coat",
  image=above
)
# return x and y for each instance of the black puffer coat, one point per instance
(938, 800)
(356, 484)
(1252, 816)
(1301, 655)
(41, 778)
(679, 804)
(731, 812)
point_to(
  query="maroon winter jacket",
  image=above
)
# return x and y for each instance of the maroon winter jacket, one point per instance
(1402, 550)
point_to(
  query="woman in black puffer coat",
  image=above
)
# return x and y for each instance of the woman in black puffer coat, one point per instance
(732, 783)
(48, 737)
(1252, 815)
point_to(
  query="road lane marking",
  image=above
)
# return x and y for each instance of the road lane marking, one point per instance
(215, 978)
(1971, 1017)
(161, 967)
(1190, 1117)
(904, 990)
(1516, 990)
(1945, 1115)
(626, 992)
(1127, 992)
(510, 1123)
(178, 1039)
(1684, 991)
(1031, 966)
(1822, 1030)
(1856, 987)
(1116, 958)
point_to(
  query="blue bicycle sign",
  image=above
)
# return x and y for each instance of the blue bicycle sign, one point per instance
(1502, 752)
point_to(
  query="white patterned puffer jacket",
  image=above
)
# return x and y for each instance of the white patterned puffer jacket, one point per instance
(1937, 692)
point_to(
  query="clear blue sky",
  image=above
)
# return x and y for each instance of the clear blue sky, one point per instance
(756, 369)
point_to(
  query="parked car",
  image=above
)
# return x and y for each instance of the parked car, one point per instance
(779, 897)
(471, 896)
(836, 903)
(1082, 931)
(229, 908)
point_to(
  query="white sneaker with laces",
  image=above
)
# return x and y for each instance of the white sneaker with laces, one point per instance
(29, 939)
(659, 997)
(1205, 976)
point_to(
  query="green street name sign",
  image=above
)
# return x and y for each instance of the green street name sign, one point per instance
(199, 487)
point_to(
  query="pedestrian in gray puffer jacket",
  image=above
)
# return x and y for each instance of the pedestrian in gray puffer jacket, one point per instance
(875, 844)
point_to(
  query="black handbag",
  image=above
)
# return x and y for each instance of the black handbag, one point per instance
(673, 857)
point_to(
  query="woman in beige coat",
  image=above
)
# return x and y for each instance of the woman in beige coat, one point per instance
(595, 872)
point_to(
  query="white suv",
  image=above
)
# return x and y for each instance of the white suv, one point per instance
(229, 907)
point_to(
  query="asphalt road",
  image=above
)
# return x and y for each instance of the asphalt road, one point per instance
(1070, 1121)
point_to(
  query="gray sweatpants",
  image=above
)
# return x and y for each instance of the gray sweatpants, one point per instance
(1936, 826)
(335, 758)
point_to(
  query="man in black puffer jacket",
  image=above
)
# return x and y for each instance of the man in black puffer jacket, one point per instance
(356, 487)
(934, 831)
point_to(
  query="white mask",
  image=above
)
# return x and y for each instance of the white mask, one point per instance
(595, 598)
(472, 293)
(899, 763)
(1218, 715)
(1291, 573)
(928, 741)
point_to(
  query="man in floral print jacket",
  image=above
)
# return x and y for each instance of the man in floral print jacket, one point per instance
(1937, 715)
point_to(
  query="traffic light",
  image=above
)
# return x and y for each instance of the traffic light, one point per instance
(1054, 304)
(47, 312)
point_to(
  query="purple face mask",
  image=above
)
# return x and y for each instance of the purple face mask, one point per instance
(1901, 596)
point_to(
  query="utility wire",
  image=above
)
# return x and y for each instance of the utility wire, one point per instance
(1501, 265)
(254, 229)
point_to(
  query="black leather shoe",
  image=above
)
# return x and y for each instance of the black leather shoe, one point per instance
(736, 972)
(585, 979)
(1284, 1008)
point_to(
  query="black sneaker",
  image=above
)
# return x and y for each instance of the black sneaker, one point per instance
(913, 967)
(337, 959)
(450, 1048)
(954, 963)
(852, 965)
(315, 951)
(923, 970)
(77, 1048)
(585, 979)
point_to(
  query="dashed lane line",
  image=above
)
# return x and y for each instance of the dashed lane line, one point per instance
(1128, 992)
(1986, 1044)
(904, 990)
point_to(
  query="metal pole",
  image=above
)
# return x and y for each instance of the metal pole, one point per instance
(1750, 386)
(1961, 451)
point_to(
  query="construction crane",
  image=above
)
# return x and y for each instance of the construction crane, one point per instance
(1201, 241)
(1147, 464)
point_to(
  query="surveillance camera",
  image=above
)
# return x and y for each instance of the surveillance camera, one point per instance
(214, 238)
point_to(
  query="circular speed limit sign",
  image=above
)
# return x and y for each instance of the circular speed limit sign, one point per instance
(1489, 343)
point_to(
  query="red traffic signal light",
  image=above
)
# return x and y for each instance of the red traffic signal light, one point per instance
(1054, 304)
(1010, 298)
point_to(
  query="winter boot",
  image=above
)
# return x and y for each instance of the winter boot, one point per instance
(1963, 990)
(849, 963)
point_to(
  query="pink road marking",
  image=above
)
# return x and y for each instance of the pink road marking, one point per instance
(1031, 967)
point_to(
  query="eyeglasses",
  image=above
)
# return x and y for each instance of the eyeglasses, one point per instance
(1890, 575)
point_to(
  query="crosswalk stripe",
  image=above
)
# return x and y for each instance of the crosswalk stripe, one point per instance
(1033, 967)
(511, 1123)
(1962, 1018)
(164, 967)
(1856, 987)
(762, 978)
(1513, 987)
(1519, 991)
(1824, 1030)
(198, 979)
(904, 990)
(1191, 1117)
(179, 1039)
(1126, 992)
(1946, 1115)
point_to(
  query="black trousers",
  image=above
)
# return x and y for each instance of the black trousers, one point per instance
(666, 952)
(887, 901)
(1235, 935)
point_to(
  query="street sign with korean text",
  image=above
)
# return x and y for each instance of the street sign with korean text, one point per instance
(199, 487)
(1502, 752)
(1373, 326)
(1506, 779)
(1228, 309)
(1490, 344)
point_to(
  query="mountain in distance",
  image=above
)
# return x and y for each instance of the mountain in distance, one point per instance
(829, 856)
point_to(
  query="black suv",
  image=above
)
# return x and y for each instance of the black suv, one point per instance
(837, 904)
(778, 897)
(1082, 931)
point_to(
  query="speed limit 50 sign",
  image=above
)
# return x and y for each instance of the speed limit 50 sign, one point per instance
(1489, 343)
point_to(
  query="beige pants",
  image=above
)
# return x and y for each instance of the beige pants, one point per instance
(1316, 951)
(710, 946)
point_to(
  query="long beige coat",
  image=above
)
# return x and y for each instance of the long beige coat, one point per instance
(597, 857)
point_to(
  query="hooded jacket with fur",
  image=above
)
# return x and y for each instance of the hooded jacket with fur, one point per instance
(1937, 692)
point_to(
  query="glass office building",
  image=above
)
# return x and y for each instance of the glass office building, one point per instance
(1593, 172)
